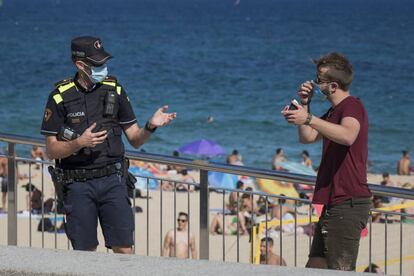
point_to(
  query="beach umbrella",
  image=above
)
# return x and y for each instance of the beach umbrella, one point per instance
(222, 180)
(202, 148)
(142, 175)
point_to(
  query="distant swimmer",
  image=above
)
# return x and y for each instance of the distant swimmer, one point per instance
(210, 119)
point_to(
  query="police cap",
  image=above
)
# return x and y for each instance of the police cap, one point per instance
(89, 48)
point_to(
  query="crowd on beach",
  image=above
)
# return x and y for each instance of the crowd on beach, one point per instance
(243, 209)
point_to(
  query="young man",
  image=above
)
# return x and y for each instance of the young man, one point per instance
(270, 258)
(179, 245)
(341, 184)
(83, 124)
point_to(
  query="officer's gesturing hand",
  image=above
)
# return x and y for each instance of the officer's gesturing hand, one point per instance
(137, 136)
(90, 139)
(161, 118)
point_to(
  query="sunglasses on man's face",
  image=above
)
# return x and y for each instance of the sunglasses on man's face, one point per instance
(182, 220)
(318, 80)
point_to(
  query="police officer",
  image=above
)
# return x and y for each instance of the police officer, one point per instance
(83, 124)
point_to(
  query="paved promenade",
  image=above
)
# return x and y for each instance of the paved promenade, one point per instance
(30, 261)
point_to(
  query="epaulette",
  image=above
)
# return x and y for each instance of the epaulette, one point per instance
(111, 78)
(64, 85)
(63, 82)
(112, 81)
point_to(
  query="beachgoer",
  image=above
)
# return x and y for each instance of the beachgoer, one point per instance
(249, 211)
(386, 181)
(179, 245)
(404, 165)
(278, 157)
(307, 162)
(231, 224)
(234, 196)
(341, 184)
(173, 169)
(235, 158)
(3, 181)
(270, 258)
(34, 199)
(182, 187)
(83, 123)
(38, 154)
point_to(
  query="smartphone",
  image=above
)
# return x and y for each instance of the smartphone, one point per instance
(292, 106)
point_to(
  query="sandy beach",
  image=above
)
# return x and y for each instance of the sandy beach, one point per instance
(161, 217)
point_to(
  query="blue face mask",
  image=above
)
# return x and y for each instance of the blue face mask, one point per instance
(317, 92)
(98, 73)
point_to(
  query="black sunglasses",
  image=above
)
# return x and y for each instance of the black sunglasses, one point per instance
(318, 80)
(181, 220)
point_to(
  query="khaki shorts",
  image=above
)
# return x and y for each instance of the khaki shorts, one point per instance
(338, 232)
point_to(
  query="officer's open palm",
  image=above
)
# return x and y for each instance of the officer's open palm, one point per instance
(161, 118)
(90, 139)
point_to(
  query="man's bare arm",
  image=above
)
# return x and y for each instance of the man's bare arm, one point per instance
(136, 135)
(166, 244)
(345, 133)
(308, 134)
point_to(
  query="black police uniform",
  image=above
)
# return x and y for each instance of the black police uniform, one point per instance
(97, 190)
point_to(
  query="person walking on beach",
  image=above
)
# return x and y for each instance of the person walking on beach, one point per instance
(404, 165)
(341, 184)
(179, 245)
(83, 123)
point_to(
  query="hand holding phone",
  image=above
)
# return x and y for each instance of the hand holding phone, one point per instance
(292, 106)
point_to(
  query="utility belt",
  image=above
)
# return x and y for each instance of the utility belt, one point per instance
(61, 178)
(82, 175)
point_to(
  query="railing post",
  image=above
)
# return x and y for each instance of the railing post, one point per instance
(204, 216)
(12, 196)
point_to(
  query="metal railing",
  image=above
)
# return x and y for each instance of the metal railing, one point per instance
(204, 193)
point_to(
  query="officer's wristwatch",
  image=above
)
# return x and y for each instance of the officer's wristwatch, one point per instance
(147, 127)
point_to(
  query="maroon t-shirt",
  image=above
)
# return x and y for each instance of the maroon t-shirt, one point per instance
(342, 174)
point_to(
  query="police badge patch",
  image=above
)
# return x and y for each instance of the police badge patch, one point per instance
(48, 114)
